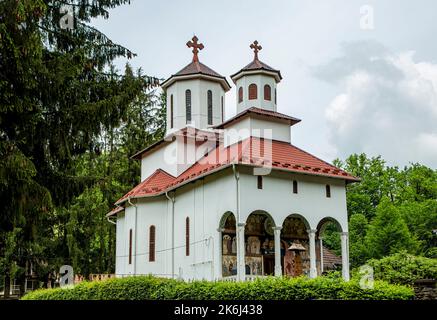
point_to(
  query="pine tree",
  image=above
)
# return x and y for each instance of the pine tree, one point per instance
(58, 93)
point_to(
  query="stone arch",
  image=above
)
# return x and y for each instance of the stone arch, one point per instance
(262, 212)
(224, 218)
(328, 258)
(295, 257)
(321, 226)
(228, 232)
(259, 244)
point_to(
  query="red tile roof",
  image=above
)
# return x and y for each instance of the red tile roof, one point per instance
(248, 152)
(261, 113)
(254, 66)
(197, 68)
(330, 259)
(153, 185)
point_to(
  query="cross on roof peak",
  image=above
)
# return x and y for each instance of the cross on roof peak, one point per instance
(255, 48)
(196, 47)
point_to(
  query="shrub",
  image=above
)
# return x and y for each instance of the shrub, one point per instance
(404, 268)
(271, 288)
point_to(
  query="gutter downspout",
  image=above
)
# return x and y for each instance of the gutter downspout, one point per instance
(135, 238)
(172, 232)
(110, 221)
(237, 218)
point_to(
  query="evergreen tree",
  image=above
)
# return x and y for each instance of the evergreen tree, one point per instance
(388, 233)
(58, 93)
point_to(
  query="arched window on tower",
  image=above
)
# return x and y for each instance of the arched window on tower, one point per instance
(171, 112)
(267, 93)
(240, 94)
(152, 235)
(253, 92)
(188, 105)
(209, 94)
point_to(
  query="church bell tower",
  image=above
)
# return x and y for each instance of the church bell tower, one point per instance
(195, 94)
(256, 84)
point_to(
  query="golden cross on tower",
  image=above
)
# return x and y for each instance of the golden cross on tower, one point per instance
(196, 47)
(255, 48)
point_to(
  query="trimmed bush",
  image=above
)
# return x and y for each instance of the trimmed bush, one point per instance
(404, 268)
(271, 288)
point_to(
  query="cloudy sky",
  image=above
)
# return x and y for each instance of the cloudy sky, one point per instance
(362, 75)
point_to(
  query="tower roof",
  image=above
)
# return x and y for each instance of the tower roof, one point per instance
(196, 70)
(257, 66)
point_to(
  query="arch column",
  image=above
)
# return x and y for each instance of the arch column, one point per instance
(345, 255)
(278, 267)
(241, 269)
(312, 242)
(321, 254)
(218, 255)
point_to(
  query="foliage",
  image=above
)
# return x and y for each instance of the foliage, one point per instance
(271, 288)
(390, 210)
(388, 233)
(62, 105)
(358, 250)
(403, 268)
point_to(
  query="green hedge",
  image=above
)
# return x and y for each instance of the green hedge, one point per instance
(146, 288)
(404, 268)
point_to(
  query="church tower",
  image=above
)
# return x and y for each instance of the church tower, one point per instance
(195, 95)
(256, 84)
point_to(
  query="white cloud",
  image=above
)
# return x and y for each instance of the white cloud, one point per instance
(387, 107)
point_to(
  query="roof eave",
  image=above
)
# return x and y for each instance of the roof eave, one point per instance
(276, 74)
(222, 80)
(348, 179)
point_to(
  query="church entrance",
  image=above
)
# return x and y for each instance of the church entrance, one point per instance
(229, 245)
(260, 245)
(295, 247)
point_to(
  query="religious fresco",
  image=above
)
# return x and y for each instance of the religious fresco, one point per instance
(229, 265)
(260, 245)
(230, 223)
(294, 228)
(255, 265)
(296, 262)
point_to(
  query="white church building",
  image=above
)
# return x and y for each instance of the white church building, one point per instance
(231, 199)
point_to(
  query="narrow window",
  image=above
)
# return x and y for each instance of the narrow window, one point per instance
(328, 191)
(187, 236)
(267, 93)
(223, 111)
(260, 182)
(294, 186)
(253, 94)
(209, 107)
(240, 94)
(188, 105)
(152, 234)
(171, 111)
(130, 246)
(275, 96)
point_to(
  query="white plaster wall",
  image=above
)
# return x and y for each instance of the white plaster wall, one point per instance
(260, 80)
(257, 128)
(175, 157)
(164, 157)
(199, 106)
(120, 245)
(277, 197)
(205, 202)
